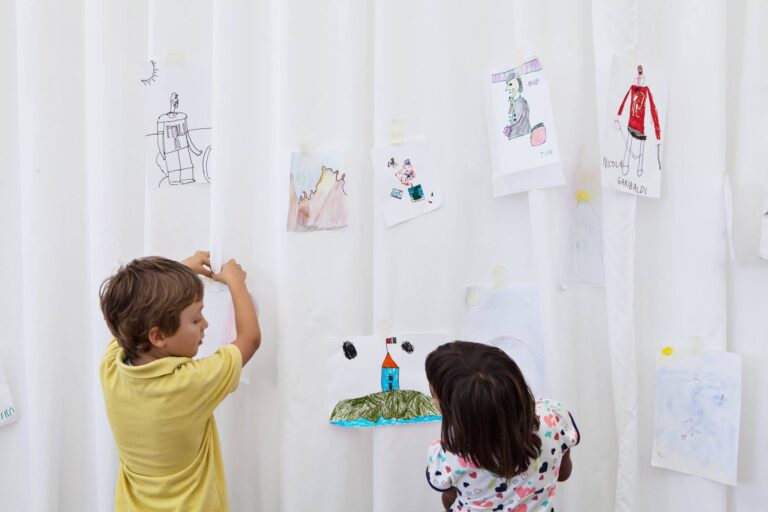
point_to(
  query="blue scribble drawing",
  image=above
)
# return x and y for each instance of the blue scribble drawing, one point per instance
(698, 403)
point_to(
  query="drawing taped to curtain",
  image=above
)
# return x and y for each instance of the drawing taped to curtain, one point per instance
(697, 410)
(508, 318)
(406, 185)
(317, 196)
(177, 116)
(376, 380)
(521, 130)
(219, 312)
(632, 137)
(8, 412)
(583, 265)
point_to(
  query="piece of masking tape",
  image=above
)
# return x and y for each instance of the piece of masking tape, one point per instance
(305, 148)
(499, 276)
(175, 58)
(473, 297)
(697, 344)
(384, 328)
(396, 131)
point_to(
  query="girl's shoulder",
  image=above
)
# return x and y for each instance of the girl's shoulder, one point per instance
(556, 422)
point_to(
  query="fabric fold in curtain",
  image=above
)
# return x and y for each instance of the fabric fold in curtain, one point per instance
(293, 75)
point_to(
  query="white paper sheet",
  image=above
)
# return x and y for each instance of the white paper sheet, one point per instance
(634, 129)
(698, 406)
(8, 412)
(356, 368)
(508, 318)
(317, 194)
(521, 130)
(177, 122)
(220, 314)
(584, 247)
(406, 183)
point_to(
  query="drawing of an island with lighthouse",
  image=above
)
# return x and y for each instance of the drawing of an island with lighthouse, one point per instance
(392, 404)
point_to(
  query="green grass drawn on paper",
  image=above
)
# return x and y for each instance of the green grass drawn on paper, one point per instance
(398, 404)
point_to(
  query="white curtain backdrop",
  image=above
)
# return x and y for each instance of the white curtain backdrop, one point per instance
(291, 74)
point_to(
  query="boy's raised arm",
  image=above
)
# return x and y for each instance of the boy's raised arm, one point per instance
(246, 322)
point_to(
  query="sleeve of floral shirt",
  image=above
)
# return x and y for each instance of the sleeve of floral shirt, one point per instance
(558, 424)
(439, 474)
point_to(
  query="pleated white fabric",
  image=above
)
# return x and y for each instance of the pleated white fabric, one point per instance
(294, 74)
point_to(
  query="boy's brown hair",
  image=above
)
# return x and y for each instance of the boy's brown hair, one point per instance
(489, 413)
(145, 293)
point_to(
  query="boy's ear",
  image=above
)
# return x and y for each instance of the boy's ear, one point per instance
(156, 337)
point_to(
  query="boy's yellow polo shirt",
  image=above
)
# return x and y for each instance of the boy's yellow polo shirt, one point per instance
(161, 415)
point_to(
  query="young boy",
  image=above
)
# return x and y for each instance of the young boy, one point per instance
(159, 401)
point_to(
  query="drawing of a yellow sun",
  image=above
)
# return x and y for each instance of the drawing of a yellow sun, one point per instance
(586, 186)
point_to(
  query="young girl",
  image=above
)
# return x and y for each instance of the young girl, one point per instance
(500, 449)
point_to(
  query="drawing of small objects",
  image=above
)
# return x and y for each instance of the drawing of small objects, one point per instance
(397, 193)
(634, 143)
(406, 174)
(416, 193)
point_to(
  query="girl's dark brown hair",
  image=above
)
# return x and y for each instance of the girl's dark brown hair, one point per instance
(489, 413)
(145, 293)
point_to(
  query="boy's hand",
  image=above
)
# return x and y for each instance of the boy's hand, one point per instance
(200, 263)
(231, 273)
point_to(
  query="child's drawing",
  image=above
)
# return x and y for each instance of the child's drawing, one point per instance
(8, 412)
(519, 113)
(698, 404)
(317, 196)
(508, 318)
(584, 252)
(373, 383)
(219, 312)
(152, 75)
(521, 130)
(177, 104)
(628, 165)
(634, 150)
(406, 185)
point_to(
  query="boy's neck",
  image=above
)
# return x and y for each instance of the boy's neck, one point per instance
(145, 358)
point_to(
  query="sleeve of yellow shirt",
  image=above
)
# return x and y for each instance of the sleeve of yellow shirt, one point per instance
(214, 377)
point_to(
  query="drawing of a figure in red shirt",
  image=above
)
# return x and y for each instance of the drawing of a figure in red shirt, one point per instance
(638, 95)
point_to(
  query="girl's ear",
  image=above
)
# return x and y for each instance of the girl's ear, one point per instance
(156, 337)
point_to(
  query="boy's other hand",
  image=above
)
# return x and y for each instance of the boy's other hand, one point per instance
(200, 263)
(231, 273)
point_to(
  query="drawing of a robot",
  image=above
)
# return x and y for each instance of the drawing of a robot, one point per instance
(175, 147)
